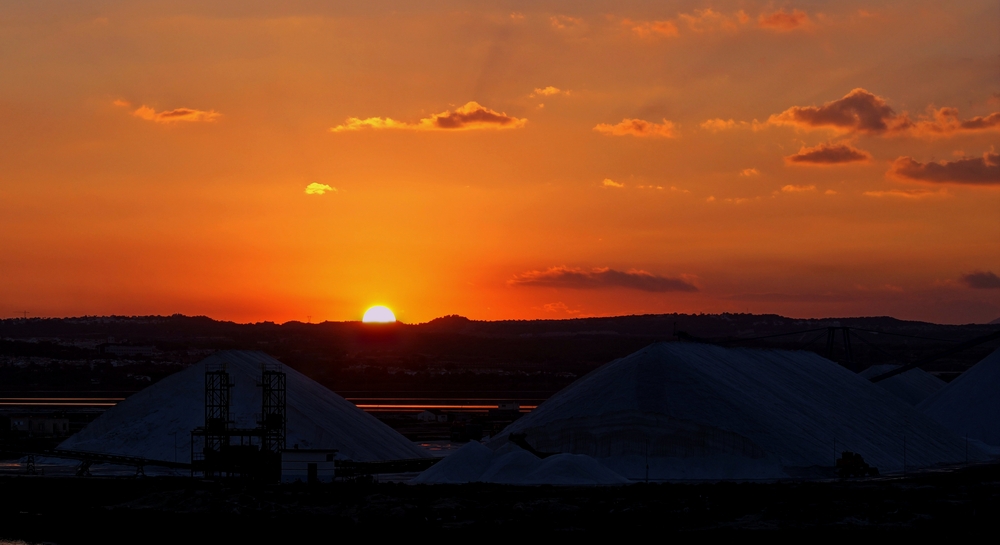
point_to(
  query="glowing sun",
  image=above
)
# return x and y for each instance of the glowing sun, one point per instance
(379, 314)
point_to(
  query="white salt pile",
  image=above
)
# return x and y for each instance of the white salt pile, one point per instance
(148, 423)
(513, 465)
(912, 386)
(970, 404)
(696, 411)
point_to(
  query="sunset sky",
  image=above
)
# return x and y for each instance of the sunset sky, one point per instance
(253, 161)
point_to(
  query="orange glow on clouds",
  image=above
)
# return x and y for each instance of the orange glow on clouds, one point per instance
(283, 161)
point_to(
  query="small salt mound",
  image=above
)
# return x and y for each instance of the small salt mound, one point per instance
(511, 464)
(156, 422)
(912, 386)
(970, 404)
(465, 465)
(697, 411)
(572, 469)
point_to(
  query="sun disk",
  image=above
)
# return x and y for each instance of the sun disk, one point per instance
(379, 314)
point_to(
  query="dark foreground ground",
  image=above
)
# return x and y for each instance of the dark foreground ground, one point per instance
(171, 510)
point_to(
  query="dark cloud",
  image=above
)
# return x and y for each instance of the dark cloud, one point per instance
(945, 122)
(474, 115)
(471, 116)
(573, 278)
(828, 154)
(982, 280)
(858, 110)
(983, 170)
(863, 111)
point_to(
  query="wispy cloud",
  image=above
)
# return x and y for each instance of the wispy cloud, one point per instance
(982, 280)
(564, 22)
(608, 182)
(907, 193)
(983, 170)
(651, 29)
(828, 155)
(172, 116)
(638, 127)
(719, 124)
(601, 278)
(797, 188)
(548, 91)
(319, 189)
(471, 116)
(749, 172)
(707, 20)
(783, 21)
(945, 122)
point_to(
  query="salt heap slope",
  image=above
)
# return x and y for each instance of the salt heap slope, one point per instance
(912, 386)
(698, 411)
(145, 423)
(970, 404)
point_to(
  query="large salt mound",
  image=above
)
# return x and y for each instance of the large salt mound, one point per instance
(912, 386)
(513, 465)
(145, 423)
(970, 404)
(698, 411)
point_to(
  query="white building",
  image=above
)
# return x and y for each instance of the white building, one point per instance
(307, 465)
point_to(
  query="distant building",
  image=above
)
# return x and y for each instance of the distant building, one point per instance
(508, 410)
(307, 465)
(39, 425)
(432, 416)
(126, 350)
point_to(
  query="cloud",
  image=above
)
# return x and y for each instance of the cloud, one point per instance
(982, 280)
(797, 188)
(474, 116)
(562, 22)
(652, 29)
(548, 91)
(705, 20)
(121, 102)
(749, 172)
(319, 189)
(638, 127)
(865, 112)
(471, 116)
(516, 16)
(601, 278)
(983, 170)
(783, 21)
(828, 154)
(907, 193)
(559, 307)
(945, 122)
(719, 124)
(608, 182)
(858, 110)
(172, 116)
(356, 123)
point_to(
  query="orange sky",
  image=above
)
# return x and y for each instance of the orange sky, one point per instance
(525, 160)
